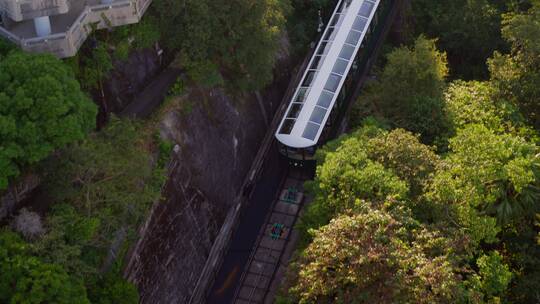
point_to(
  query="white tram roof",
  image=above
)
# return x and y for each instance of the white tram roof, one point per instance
(316, 94)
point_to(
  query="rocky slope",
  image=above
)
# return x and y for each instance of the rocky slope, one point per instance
(218, 137)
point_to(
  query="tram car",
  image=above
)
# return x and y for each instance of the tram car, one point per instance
(327, 86)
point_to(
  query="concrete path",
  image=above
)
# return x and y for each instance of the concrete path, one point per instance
(153, 95)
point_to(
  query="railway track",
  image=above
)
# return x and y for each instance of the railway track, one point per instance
(268, 255)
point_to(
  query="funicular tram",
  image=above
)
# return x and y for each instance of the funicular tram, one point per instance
(326, 88)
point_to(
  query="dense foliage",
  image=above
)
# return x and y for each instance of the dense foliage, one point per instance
(237, 39)
(42, 108)
(379, 256)
(392, 221)
(26, 279)
(468, 30)
(103, 187)
(516, 75)
(409, 90)
(109, 175)
(306, 21)
(484, 187)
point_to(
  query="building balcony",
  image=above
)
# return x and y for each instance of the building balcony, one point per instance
(68, 31)
(19, 10)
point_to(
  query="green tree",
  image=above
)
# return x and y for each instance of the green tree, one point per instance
(476, 103)
(345, 179)
(5, 47)
(371, 164)
(108, 177)
(26, 279)
(239, 37)
(516, 75)
(112, 288)
(42, 108)
(487, 175)
(404, 154)
(492, 279)
(303, 22)
(409, 92)
(468, 30)
(69, 241)
(375, 257)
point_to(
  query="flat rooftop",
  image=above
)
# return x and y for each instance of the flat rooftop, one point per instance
(59, 23)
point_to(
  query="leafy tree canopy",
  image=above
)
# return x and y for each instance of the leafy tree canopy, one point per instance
(109, 177)
(238, 37)
(476, 103)
(487, 174)
(409, 92)
(516, 75)
(375, 256)
(468, 30)
(26, 279)
(371, 164)
(492, 279)
(41, 109)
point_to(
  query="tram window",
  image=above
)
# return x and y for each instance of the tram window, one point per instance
(330, 34)
(340, 66)
(337, 20)
(325, 99)
(317, 62)
(359, 23)
(287, 126)
(346, 52)
(366, 9)
(332, 83)
(309, 78)
(344, 5)
(301, 95)
(353, 37)
(311, 130)
(294, 111)
(323, 48)
(318, 115)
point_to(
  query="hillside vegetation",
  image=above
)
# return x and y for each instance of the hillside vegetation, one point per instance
(434, 198)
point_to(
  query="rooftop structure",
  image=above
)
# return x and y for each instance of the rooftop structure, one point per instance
(321, 84)
(61, 26)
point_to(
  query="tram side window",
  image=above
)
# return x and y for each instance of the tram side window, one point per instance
(287, 126)
(354, 37)
(330, 34)
(324, 48)
(318, 115)
(359, 23)
(325, 99)
(309, 78)
(344, 6)
(294, 110)
(337, 20)
(340, 66)
(311, 130)
(317, 63)
(301, 95)
(346, 52)
(332, 83)
(366, 8)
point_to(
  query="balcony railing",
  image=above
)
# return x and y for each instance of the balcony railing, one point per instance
(67, 44)
(19, 10)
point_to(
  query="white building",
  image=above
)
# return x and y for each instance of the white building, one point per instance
(61, 26)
